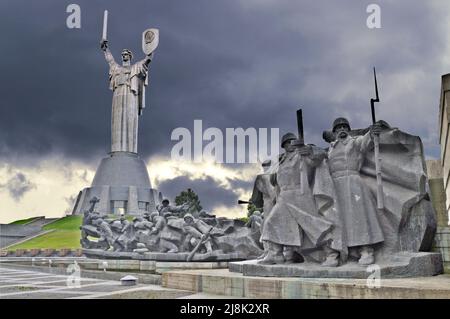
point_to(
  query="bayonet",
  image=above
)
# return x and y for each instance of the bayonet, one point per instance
(376, 141)
(377, 99)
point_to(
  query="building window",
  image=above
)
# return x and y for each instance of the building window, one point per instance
(143, 206)
(119, 207)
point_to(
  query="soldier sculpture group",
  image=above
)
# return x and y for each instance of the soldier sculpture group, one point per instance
(320, 205)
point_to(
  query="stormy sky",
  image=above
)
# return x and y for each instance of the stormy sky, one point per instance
(230, 63)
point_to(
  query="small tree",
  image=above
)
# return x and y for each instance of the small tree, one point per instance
(189, 196)
(251, 208)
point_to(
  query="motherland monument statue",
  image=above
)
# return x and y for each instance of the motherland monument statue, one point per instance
(121, 186)
(122, 182)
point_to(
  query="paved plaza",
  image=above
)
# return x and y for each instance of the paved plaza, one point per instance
(29, 284)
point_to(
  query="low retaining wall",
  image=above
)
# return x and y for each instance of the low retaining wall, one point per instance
(223, 282)
(47, 252)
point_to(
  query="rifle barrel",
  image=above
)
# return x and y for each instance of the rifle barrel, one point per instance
(301, 136)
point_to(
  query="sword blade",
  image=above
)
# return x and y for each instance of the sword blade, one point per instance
(105, 24)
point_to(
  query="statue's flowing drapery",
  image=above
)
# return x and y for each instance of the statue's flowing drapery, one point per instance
(127, 83)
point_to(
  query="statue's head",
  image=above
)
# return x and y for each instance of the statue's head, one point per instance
(126, 56)
(256, 213)
(188, 218)
(165, 202)
(341, 127)
(286, 142)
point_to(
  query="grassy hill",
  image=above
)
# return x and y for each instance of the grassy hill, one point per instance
(65, 233)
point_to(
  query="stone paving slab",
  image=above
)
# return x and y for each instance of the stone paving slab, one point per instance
(148, 266)
(21, 282)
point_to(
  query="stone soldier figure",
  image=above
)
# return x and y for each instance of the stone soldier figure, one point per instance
(127, 81)
(197, 230)
(169, 238)
(106, 234)
(294, 221)
(87, 228)
(126, 236)
(264, 193)
(166, 210)
(255, 222)
(355, 203)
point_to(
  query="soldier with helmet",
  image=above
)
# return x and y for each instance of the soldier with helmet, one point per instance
(294, 222)
(166, 210)
(354, 201)
(105, 231)
(196, 231)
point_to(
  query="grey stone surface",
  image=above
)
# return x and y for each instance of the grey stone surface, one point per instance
(437, 191)
(339, 206)
(224, 282)
(127, 81)
(444, 137)
(120, 177)
(158, 256)
(167, 237)
(121, 181)
(401, 265)
(45, 283)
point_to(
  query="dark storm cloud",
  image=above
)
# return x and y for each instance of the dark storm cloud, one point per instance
(211, 194)
(231, 63)
(18, 185)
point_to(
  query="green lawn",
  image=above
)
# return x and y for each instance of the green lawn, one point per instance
(65, 234)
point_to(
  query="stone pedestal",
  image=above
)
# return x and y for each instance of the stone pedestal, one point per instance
(400, 265)
(123, 186)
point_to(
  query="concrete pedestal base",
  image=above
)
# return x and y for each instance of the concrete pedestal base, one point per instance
(156, 256)
(123, 186)
(398, 266)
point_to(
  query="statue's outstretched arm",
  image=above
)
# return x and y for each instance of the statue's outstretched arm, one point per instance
(148, 59)
(108, 55)
(109, 58)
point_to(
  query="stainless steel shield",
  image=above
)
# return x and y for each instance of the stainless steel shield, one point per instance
(150, 40)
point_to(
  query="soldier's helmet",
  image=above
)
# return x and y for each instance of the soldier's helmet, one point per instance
(287, 137)
(256, 213)
(341, 121)
(165, 201)
(188, 216)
